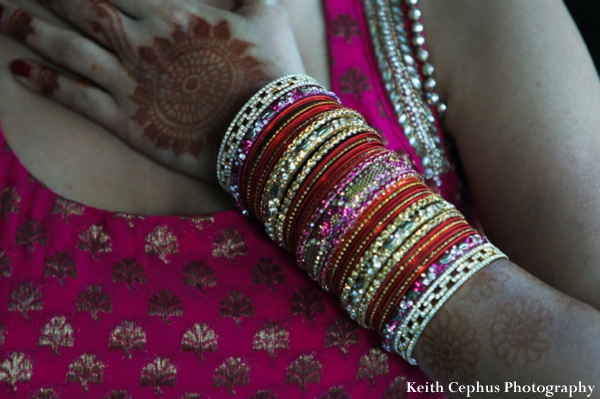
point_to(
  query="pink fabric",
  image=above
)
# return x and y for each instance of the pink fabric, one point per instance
(74, 278)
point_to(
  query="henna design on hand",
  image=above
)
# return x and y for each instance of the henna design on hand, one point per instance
(115, 35)
(521, 331)
(483, 285)
(188, 88)
(450, 347)
(19, 25)
(47, 80)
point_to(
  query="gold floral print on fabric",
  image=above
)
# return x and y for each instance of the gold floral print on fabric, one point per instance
(30, 233)
(60, 265)
(2, 336)
(373, 364)
(229, 244)
(9, 202)
(269, 273)
(200, 221)
(307, 301)
(66, 209)
(5, 265)
(128, 336)
(263, 394)
(87, 369)
(236, 305)
(199, 275)
(129, 272)
(354, 82)
(16, 368)
(303, 370)
(161, 242)
(117, 395)
(57, 332)
(233, 372)
(397, 389)
(271, 337)
(95, 241)
(342, 333)
(45, 393)
(130, 219)
(158, 374)
(25, 298)
(94, 300)
(199, 339)
(345, 26)
(335, 393)
(165, 304)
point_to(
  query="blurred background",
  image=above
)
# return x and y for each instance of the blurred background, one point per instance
(586, 16)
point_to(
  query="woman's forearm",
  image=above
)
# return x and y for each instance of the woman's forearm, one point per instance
(505, 327)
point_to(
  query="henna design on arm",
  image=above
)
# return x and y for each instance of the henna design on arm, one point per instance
(521, 331)
(19, 25)
(188, 88)
(484, 285)
(47, 80)
(451, 348)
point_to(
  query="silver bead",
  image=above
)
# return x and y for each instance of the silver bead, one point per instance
(428, 69)
(430, 83)
(422, 55)
(417, 28)
(418, 40)
(408, 59)
(416, 82)
(441, 108)
(414, 14)
(411, 2)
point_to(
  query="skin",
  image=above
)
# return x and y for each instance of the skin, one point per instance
(497, 149)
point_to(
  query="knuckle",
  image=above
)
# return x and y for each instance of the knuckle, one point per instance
(70, 47)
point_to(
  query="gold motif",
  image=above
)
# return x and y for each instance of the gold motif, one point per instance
(5, 268)
(272, 337)
(15, 368)
(117, 395)
(199, 275)
(93, 300)
(305, 301)
(335, 393)
(129, 272)
(199, 339)
(191, 395)
(397, 389)
(2, 332)
(9, 202)
(372, 364)
(45, 393)
(56, 333)
(60, 265)
(231, 373)
(165, 305)
(95, 241)
(229, 244)
(236, 305)
(160, 373)
(66, 209)
(199, 221)
(342, 333)
(87, 369)
(129, 218)
(31, 232)
(268, 273)
(25, 298)
(354, 82)
(263, 394)
(161, 242)
(128, 336)
(303, 370)
(345, 26)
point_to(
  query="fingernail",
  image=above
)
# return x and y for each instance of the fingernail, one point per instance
(20, 68)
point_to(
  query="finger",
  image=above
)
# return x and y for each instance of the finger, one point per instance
(102, 21)
(76, 95)
(65, 48)
(253, 9)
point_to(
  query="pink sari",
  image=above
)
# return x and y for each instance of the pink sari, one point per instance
(106, 305)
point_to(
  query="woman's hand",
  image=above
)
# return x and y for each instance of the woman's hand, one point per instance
(166, 77)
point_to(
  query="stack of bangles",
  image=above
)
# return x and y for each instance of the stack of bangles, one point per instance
(361, 222)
